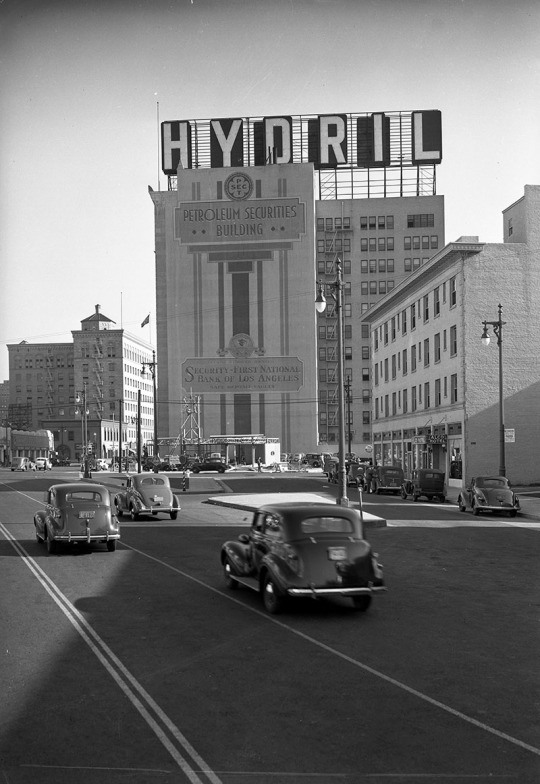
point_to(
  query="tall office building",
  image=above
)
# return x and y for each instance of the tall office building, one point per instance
(256, 213)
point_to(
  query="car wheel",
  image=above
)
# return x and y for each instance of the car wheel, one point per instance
(475, 510)
(361, 603)
(221, 470)
(174, 515)
(512, 513)
(273, 600)
(134, 514)
(230, 582)
(442, 499)
(403, 494)
(461, 505)
(51, 545)
(118, 508)
(111, 545)
(39, 540)
(415, 497)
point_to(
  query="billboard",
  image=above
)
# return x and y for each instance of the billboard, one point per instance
(329, 141)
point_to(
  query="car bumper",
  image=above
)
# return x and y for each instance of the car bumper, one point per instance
(312, 591)
(87, 537)
(497, 508)
(156, 509)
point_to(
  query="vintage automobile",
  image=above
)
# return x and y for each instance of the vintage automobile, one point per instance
(489, 494)
(78, 512)
(386, 479)
(304, 550)
(209, 464)
(43, 464)
(146, 494)
(427, 482)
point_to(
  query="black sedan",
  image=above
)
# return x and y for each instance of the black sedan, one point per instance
(209, 464)
(489, 494)
(299, 549)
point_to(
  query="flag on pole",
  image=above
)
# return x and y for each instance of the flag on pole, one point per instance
(146, 321)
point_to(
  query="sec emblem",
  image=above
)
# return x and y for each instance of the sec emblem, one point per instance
(238, 186)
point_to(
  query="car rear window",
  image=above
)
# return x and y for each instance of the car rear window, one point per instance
(84, 495)
(314, 525)
(152, 480)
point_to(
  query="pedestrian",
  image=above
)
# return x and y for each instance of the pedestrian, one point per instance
(259, 464)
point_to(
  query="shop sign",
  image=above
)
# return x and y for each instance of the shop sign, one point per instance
(510, 435)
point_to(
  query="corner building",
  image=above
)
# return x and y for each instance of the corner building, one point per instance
(240, 250)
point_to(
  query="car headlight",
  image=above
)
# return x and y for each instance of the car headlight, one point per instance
(480, 497)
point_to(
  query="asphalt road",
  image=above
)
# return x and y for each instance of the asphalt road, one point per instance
(139, 666)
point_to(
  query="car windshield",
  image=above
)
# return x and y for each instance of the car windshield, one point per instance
(84, 495)
(392, 471)
(315, 525)
(151, 480)
(487, 482)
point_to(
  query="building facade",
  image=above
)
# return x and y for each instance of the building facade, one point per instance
(103, 366)
(435, 385)
(252, 220)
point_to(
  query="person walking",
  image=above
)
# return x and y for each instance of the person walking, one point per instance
(259, 464)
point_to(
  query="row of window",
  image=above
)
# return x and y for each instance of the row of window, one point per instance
(417, 397)
(379, 244)
(329, 353)
(419, 354)
(376, 222)
(422, 309)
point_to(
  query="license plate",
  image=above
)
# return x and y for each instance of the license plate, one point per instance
(158, 499)
(86, 515)
(337, 553)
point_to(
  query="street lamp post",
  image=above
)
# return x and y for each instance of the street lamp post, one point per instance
(320, 305)
(81, 400)
(498, 330)
(152, 370)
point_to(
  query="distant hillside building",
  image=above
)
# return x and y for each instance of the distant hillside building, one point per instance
(45, 379)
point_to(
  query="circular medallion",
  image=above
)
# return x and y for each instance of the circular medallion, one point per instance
(238, 186)
(241, 345)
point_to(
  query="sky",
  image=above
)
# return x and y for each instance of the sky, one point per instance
(85, 82)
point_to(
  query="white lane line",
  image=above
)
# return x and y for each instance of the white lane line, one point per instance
(403, 686)
(124, 679)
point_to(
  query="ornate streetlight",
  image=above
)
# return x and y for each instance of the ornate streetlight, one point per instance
(320, 305)
(497, 329)
(80, 399)
(151, 366)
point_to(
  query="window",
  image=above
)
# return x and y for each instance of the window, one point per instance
(385, 333)
(382, 265)
(453, 341)
(365, 395)
(389, 221)
(320, 224)
(321, 246)
(405, 401)
(363, 222)
(348, 352)
(394, 404)
(382, 287)
(389, 243)
(434, 242)
(364, 288)
(380, 222)
(425, 242)
(373, 243)
(415, 263)
(363, 244)
(372, 222)
(404, 322)
(453, 388)
(322, 375)
(376, 375)
(453, 292)
(426, 352)
(436, 302)
(437, 400)
(413, 358)
(347, 332)
(389, 265)
(393, 327)
(413, 316)
(407, 265)
(365, 352)
(364, 266)
(416, 243)
(381, 244)
(420, 220)
(373, 265)
(365, 374)
(329, 224)
(386, 369)
(413, 398)
(322, 332)
(407, 243)
(365, 331)
(404, 361)
(365, 418)
(427, 400)
(426, 308)
(444, 340)
(394, 371)
(322, 354)
(437, 347)
(347, 310)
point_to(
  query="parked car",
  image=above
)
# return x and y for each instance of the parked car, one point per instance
(297, 457)
(22, 464)
(43, 464)
(146, 494)
(77, 513)
(101, 465)
(304, 550)
(313, 459)
(209, 464)
(489, 494)
(427, 482)
(386, 479)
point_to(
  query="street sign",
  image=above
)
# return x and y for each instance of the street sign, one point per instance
(510, 435)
